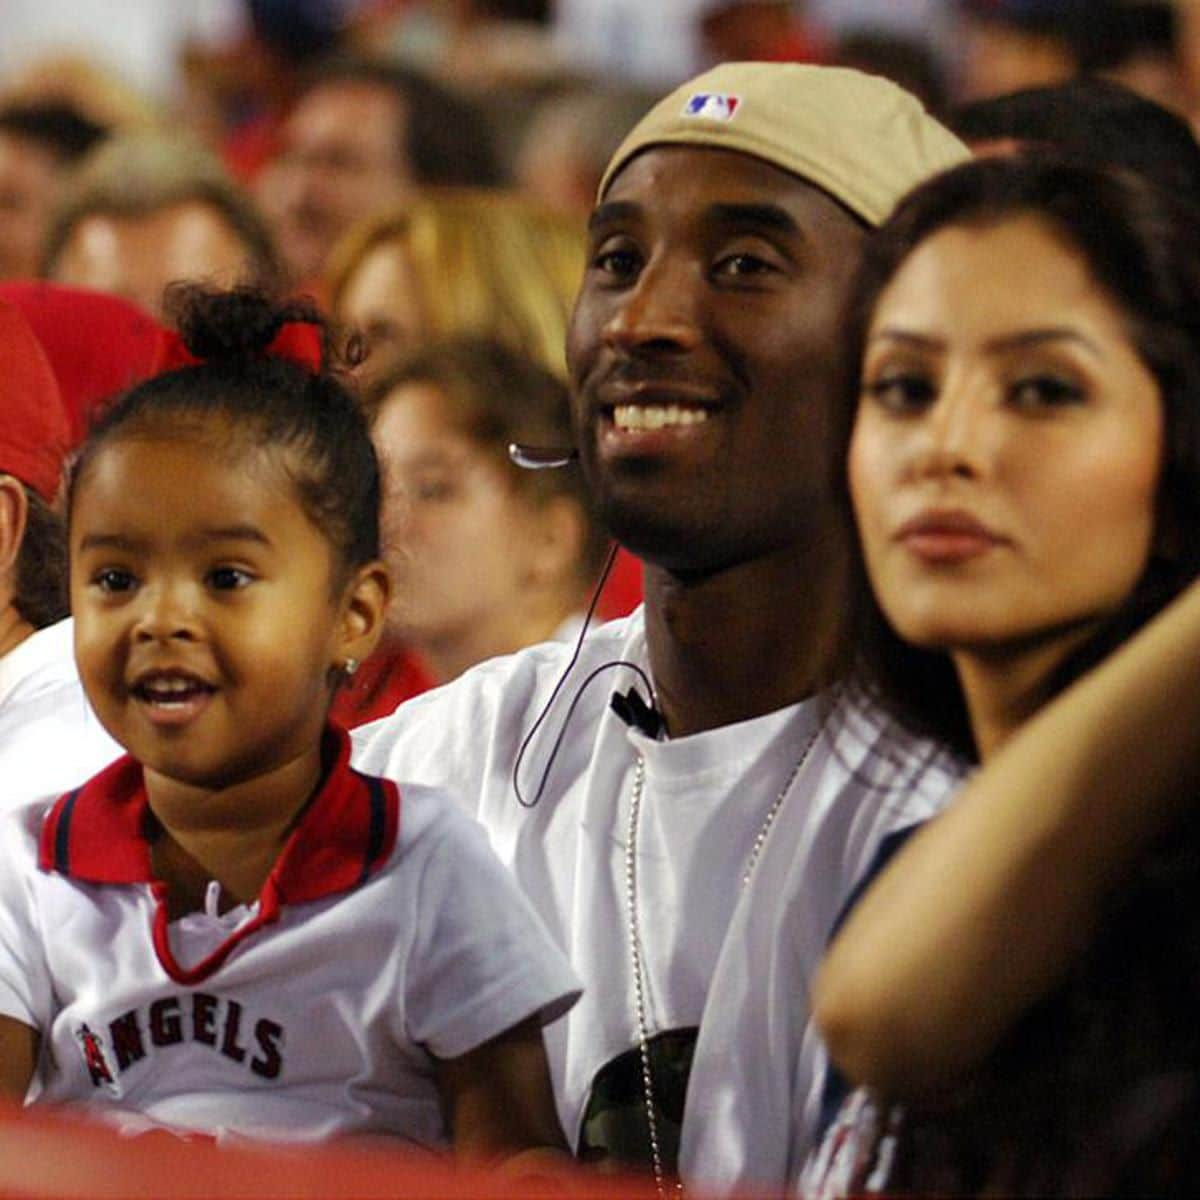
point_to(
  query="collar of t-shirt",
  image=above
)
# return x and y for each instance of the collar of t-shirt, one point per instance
(98, 833)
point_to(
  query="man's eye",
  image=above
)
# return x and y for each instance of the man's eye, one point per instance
(228, 579)
(619, 264)
(113, 580)
(901, 393)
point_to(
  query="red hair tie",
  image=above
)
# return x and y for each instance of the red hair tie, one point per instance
(296, 341)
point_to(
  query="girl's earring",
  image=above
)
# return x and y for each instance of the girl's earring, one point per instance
(349, 667)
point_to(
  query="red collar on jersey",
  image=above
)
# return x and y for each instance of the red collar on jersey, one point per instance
(97, 833)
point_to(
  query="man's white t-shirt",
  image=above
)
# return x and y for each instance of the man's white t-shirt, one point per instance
(387, 936)
(705, 801)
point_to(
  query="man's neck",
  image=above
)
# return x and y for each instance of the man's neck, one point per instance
(734, 644)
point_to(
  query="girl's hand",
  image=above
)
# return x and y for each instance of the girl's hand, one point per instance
(19, 1045)
(500, 1104)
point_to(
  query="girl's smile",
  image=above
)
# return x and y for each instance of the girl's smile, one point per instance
(172, 697)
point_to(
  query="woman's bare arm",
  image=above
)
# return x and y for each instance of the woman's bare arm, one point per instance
(985, 909)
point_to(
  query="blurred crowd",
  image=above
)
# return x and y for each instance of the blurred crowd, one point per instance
(424, 168)
(415, 178)
(145, 142)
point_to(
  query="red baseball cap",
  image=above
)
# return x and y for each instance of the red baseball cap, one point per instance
(98, 344)
(34, 434)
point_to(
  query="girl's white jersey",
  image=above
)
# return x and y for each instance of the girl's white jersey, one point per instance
(386, 936)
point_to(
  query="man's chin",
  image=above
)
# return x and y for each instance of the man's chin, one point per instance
(660, 539)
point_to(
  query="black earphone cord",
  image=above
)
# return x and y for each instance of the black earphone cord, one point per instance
(562, 679)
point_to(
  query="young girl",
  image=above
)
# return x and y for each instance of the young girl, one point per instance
(1025, 474)
(230, 930)
(492, 557)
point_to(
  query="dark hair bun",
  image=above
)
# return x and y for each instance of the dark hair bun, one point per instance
(260, 396)
(239, 323)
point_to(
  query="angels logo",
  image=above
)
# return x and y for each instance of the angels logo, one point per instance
(96, 1060)
(712, 106)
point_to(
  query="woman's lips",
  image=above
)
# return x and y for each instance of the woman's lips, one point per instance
(947, 537)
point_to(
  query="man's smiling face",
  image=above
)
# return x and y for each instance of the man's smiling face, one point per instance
(706, 355)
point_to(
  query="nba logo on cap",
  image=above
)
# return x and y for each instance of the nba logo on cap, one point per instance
(713, 106)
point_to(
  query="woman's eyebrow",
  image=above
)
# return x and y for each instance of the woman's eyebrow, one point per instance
(1026, 338)
(907, 337)
(1018, 340)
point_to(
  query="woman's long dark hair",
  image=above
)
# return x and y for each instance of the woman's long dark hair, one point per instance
(1143, 247)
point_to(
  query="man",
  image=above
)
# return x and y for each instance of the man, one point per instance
(359, 139)
(146, 210)
(705, 363)
(49, 738)
(39, 143)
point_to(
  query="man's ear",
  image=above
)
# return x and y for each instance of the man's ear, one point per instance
(364, 605)
(14, 511)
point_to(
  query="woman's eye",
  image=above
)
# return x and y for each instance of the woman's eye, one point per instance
(229, 579)
(113, 580)
(741, 266)
(901, 392)
(1044, 391)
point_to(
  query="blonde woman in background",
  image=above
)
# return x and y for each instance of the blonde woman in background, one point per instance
(481, 263)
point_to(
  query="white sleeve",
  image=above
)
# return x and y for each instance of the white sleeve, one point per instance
(482, 960)
(25, 989)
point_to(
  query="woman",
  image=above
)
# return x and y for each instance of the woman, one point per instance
(479, 263)
(488, 557)
(1024, 468)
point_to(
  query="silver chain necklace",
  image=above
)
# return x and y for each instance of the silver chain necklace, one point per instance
(635, 941)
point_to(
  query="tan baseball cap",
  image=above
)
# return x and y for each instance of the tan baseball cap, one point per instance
(858, 137)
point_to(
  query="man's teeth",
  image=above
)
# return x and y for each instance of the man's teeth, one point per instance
(657, 416)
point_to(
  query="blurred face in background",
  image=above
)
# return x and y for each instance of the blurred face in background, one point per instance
(999, 58)
(382, 300)
(455, 525)
(138, 256)
(341, 160)
(29, 181)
